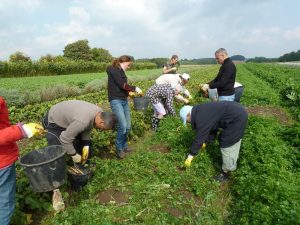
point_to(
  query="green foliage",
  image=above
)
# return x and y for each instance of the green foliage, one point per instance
(101, 55)
(47, 58)
(256, 90)
(58, 91)
(285, 80)
(79, 50)
(19, 57)
(19, 98)
(262, 60)
(265, 190)
(292, 56)
(202, 61)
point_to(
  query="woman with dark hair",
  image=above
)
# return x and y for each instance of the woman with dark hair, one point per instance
(118, 90)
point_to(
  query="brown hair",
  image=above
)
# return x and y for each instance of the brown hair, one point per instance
(124, 58)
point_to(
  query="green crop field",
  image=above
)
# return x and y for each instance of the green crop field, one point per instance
(150, 185)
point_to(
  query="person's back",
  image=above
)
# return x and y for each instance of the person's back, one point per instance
(169, 79)
(66, 112)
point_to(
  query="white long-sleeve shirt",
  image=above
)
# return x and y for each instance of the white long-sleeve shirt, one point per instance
(174, 80)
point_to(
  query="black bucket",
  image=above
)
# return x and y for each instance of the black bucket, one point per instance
(45, 168)
(78, 181)
(141, 103)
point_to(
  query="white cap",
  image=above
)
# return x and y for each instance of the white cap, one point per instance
(185, 76)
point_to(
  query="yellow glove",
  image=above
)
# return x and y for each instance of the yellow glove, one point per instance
(131, 93)
(32, 129)
(203, 146)
(188, 161)
(76, 158)
(85, 154)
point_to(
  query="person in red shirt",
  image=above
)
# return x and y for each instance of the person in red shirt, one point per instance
(9, 153)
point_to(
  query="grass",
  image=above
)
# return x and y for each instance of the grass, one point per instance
(154, 188)
(79, 80)
(150, 186)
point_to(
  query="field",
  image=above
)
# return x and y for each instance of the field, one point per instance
(150, 186)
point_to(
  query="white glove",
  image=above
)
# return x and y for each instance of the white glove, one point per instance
(205, 87)
(186, 101)
(76, 158)
(138, 90)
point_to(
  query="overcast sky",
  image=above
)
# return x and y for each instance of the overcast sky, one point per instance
(151, 28)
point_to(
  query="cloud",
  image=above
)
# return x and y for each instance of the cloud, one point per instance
(293, 34)
(157, 28)
(28, 5)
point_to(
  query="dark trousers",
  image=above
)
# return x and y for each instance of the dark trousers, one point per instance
(238, 93)
(54, 131)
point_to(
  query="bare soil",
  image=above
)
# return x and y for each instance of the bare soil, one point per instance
(270, 111)
(187, 198)
(106, 154)
(112, 195)
(162, 148)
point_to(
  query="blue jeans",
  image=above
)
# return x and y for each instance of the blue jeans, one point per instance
(7, 193)
(229, 98)
(121, 109)
(213, 96)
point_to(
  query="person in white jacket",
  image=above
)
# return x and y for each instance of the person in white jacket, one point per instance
(174, 80)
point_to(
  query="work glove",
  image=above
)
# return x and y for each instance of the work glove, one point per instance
(85, 154)
(186, 101)
(32, 129)
(205, 87)
(76, 158)
(57, 201)
(203, 146)
(131, 94)
(174, 68)
(138, 90)
(190, 97)
(188, 161)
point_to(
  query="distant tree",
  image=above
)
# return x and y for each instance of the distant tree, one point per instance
(238, 58)
(201, 61)
(101, 55)
(160, 62)
(288, 57)
(262, 60)
(79, 50)
(19, 57)
(47, 58)
(60, 58)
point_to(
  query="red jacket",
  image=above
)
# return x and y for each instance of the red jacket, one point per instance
(9, 151)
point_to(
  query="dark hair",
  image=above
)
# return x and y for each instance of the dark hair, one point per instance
(174, 57)
(109, 119)
(124, 58)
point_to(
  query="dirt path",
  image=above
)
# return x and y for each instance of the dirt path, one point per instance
(271, 111)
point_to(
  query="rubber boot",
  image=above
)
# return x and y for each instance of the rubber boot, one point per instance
(155, 121)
